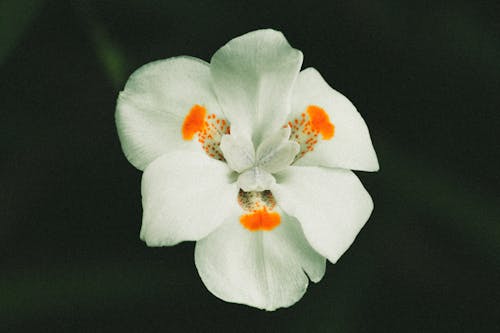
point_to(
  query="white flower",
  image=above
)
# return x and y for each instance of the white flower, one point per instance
(251, 158)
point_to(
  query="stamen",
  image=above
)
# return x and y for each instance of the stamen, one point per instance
(259, 205)
(306, 129)
(209, 128)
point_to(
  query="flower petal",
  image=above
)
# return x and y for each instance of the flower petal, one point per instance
(264, 269)
(151, 109)
(185, 195)
(351, 146)
(255, 179)
(276, 152)
(238, 152)
(331, 205)
(253, 77)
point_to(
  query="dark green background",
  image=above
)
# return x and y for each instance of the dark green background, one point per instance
(425, 77)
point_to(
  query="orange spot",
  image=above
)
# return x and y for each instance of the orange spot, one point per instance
(321, 122)
(260, 220)
(194, 122)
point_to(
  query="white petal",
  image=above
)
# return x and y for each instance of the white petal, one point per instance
(255, 179)
(151, 109)
(331, 205)
(351, 146)
(276, 152)
(185, 195)
(253, 77)
(264, 269)
(238, 152)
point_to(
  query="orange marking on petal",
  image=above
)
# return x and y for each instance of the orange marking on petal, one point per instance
(260, 220)
(194, 122)
(321, 122)
(306, 128)
(209, 129)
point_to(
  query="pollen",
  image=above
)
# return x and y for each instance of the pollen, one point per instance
(209, 128)
(306, 129)
(259, 210)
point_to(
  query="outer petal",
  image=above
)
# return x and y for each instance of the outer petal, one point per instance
(264, 269)
(351, 146)
(331, 205)
(185, 196)
(253, 77)
(152, 107)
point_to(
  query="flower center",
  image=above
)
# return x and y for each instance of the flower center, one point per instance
(259, 206)
(307, 128)
(255, 167)
(209, 128)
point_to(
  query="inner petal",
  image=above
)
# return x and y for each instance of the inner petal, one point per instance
(256, 179)
(209, 128)
(307, 128)
(277, 152)
(259, 210)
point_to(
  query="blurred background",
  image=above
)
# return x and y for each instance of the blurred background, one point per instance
(424, 75)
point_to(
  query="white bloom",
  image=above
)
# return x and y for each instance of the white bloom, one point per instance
(251, 158)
